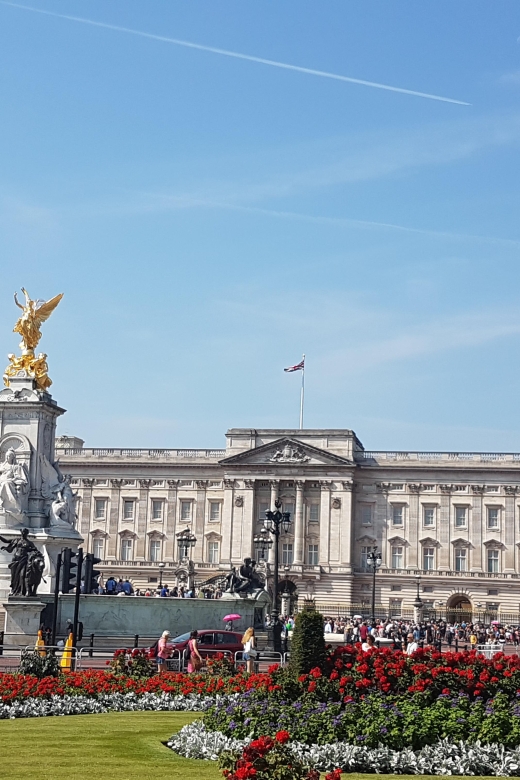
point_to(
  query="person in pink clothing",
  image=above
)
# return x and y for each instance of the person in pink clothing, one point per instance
(195, 659)
(164, 650)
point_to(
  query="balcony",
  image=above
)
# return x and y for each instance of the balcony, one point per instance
(91, 453)
(438, 573)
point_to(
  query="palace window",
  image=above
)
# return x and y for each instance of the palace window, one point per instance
(460, 518)
(461, 559)
(428, 558)
(289, 508)
(287, 554)
(100, 508)
(98, 548)
(312, 555)
(213, 552)
(493, 561)
(395, 607)
(395, 587)
(364, 555)
(186, 511)
(127, 549)
(429, 515)
(314, 513)
(263, 507)
(492, 516)
(397, 557)
(157, 509)
(214, 512)
(155, 550)
(397, 514)
(128, 511)
(366, 514)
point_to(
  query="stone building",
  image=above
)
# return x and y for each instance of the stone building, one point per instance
(450, 519)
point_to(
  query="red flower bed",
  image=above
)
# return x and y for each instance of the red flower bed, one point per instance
(427, 670)
(98, 682)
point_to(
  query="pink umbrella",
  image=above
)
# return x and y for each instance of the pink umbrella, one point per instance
(230, 618)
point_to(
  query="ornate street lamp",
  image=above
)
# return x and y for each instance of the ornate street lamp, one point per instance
(185, 541)
(274, 524)
(418, 604)
(374, 560)
(161, 569)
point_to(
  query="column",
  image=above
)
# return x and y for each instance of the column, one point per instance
(476, 550)
(199, 521)
(299, 530)
(227, 522)
(170, 544)
(380, 524)
(141, 543)
(444, 535)
(86, 512)
(113, 519)
(346, 527)
(274, 484)
(325, 523)
(249, 519)
(413, 528)
(508, 531)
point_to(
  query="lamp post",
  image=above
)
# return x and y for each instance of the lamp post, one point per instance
(161, 569)
(274, 523)
(374, 560)
(185, 541)
(418, 604)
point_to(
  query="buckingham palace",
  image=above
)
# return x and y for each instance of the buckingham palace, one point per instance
(447, 524)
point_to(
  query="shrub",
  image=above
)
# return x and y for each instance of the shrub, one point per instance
(266, 759)
(308, 644)
(220, 665)
(134, 663)
(39, 665)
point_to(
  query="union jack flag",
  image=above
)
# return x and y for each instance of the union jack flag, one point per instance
(299, 367)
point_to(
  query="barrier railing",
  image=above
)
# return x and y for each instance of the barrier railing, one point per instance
(488, 650)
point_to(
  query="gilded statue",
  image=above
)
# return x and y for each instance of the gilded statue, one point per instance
(28, 326)
(34, 313)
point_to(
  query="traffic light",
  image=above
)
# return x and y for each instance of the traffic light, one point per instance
(90, 574)
(69, 573)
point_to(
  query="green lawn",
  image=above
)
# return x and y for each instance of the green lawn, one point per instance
(115, 746)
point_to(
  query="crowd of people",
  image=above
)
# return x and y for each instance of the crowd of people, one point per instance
(402, 633)
(120, 587)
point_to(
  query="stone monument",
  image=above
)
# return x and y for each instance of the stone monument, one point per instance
(37, 502)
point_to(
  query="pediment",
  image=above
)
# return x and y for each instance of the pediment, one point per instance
(429, 541)
(285, 452)
(398, 540)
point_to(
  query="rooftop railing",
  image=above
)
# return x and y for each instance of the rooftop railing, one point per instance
(96, 452)
(479, 457)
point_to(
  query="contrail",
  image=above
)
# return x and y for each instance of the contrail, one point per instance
(237, 55)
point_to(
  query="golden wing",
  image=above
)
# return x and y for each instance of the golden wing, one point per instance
(44, 311)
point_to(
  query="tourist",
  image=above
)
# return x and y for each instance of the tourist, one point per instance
(412, 645)
(249, 643)
(163, 652)
(164, 591)
(110, 586)
(194, 658)
(363, 631)
(127, 588)
(368, 644)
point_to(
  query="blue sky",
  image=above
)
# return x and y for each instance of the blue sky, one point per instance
(209, 218)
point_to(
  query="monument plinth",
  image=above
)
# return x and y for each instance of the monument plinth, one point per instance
(34, 494)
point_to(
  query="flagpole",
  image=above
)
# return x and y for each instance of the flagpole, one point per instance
(302, 394)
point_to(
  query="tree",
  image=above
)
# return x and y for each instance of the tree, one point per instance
(308, 643)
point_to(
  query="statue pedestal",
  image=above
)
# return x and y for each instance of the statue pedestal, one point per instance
(22, 620)
(27, 431)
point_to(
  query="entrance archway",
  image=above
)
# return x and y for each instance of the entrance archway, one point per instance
(459, 608)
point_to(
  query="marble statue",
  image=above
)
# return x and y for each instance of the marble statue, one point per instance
(63, 507)
(14, 484)
(26, 566)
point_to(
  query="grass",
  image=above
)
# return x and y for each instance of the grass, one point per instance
(115, 746)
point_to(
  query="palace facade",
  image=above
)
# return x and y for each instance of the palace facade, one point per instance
(450, 519)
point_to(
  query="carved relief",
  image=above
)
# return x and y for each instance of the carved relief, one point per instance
(88, 483)
(478, 488)
(229, 484)
(511, 489)
(172, 483)
(289, 454)
(145, 483)
(249, 484)
(348, 485)
(336, 503)
(414, 487)
(201, 483)
(446, 488)
(239, 501)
